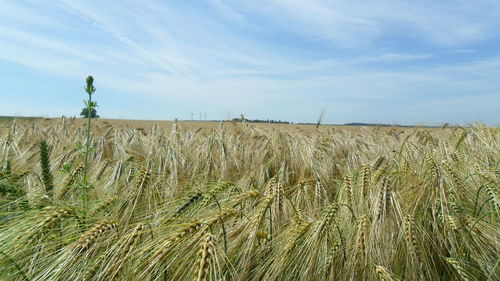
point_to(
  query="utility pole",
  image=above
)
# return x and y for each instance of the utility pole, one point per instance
(192, 116)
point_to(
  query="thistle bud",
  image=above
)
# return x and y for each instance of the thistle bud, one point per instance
(90, 81)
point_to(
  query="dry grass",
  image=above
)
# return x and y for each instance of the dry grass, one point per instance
(238, 201)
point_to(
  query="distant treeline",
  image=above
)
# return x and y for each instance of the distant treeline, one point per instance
(386, 125)
(260, 121)
(374, 125)
(9, 118)
(306, 123)
(346, 124)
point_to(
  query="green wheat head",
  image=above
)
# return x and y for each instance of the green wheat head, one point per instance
(47, 177)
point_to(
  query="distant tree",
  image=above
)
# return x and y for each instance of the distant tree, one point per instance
(84, 113)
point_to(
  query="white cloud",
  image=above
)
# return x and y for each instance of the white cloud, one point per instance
(464, 51)
(166, 52)
(356, 23)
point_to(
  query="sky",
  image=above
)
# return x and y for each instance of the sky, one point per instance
(396, 62)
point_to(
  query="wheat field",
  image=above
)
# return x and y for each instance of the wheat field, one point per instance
(244, 202)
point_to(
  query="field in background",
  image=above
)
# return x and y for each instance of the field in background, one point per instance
(192, 125)
(249, 202)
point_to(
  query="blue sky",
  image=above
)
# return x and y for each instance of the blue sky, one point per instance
(406, 62)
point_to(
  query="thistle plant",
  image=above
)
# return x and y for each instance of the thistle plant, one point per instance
(88, 147)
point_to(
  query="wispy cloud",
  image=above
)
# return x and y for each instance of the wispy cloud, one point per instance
(268, 58)
(357, 23)
(464, 51)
